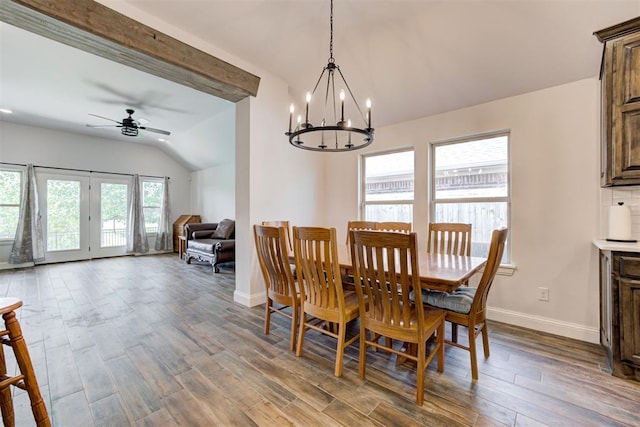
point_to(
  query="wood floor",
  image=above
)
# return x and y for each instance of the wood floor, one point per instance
(151, 341)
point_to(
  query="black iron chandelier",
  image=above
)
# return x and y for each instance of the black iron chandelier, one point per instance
(334, 131)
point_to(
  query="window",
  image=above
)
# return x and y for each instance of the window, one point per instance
(387, 186)
(151, 202)
(470, 184)
(10, 195)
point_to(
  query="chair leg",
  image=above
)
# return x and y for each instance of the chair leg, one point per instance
(454, 332)
(422, 352)
(294, 327)
(362, 360)
(485, 339)
(440, 344)
(267, 316)
(26, 368)
(342, 333)
(6, 402)
(472, 350)
(303, 318)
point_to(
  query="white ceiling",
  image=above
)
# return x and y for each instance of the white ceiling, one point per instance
(412, 58)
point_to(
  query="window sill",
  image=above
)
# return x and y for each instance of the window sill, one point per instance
(506, 270)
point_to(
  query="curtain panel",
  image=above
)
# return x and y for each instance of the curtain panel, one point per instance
(164, 240)
(136, 234)
(28, 245)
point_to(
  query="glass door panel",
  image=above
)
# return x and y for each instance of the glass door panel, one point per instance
(109, 216)
(64, 205)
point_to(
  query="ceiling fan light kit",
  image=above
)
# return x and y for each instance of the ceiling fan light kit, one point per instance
(336, 132)
(129, 126)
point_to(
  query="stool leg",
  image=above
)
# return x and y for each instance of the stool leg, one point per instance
(6, 402)
(26, 368)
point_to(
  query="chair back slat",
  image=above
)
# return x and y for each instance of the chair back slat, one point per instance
(285, 225)
(387, 265)
(449, 238)
(316, 257)
(359, 225)
(273, 255)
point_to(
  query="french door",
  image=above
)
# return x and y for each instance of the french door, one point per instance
(83, 216)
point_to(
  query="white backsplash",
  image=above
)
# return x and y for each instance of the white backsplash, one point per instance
(610, 197)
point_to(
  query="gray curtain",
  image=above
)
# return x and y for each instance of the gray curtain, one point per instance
(164, 241)
(28, 245)
(136, 234)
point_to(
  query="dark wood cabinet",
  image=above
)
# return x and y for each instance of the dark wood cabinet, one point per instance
(620, 109)
(178, 228)
(620, 312)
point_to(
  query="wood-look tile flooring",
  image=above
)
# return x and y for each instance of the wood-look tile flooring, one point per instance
(151, 341)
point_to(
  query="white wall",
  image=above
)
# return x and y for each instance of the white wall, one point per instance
(555, 199)
(213, 193)
(44, 147)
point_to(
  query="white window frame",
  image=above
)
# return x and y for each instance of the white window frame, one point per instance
(508, 267)
(21, 170)
(363, 183)
(144, 206)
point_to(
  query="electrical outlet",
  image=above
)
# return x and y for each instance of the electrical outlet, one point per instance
(543, 294)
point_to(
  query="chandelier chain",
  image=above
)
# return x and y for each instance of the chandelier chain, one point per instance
(331, 60)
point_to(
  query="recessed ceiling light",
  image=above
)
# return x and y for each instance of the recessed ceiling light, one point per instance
(5, 111)
(162, 140)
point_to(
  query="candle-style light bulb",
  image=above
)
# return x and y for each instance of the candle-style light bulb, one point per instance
(306, 114)
(369, 113)
(292, 108)
(299, 122)
(342, 106)
(349, 126)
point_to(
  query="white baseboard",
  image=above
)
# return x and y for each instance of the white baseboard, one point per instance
(7, 266)
(544, 324)
(249, 300)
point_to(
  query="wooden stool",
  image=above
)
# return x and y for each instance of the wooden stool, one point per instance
(27, 378)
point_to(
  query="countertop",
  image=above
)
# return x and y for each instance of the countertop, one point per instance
(605, 245)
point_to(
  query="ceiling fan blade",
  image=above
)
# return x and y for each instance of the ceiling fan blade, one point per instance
(163, 132)
(106, 118)
(103, 126)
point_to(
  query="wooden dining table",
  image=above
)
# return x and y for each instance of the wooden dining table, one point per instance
(437, 271)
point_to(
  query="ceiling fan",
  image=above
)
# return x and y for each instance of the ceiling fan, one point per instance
(129, 126)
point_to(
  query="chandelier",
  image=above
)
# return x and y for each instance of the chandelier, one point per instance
(333, 129)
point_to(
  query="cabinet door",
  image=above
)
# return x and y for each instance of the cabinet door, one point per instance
(626, 109)
(630, 320)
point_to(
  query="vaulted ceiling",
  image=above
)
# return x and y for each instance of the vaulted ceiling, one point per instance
(411, 57)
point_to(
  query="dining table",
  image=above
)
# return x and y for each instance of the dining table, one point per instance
(438, 271)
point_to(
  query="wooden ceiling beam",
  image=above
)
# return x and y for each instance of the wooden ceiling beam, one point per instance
(94, 28)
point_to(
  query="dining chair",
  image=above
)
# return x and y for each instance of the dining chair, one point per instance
(287, 230)
(321, 293)
(449, 238)
(404, 227)
(359, 225)
(386, 265)
(467, 306)
(271, 245)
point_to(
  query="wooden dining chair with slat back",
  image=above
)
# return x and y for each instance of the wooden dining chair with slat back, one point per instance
(404, 227)
(287, 229)
(449, 238)
(468, 306)
(386, 265)
(322, 296)
(359, 225)
(273, 255)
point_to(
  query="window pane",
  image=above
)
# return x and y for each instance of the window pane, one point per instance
(63, 215)
(10, 186)
(484, 217)
(113, 215)
(8, 221)
(389, 177)
(402, 213)
(472, 169)
(151, 202)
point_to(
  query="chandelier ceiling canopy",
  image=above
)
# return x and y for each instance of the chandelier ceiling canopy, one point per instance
(332, 120)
